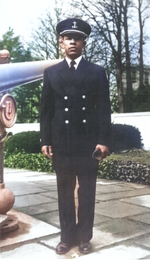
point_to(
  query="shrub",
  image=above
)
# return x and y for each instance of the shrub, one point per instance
(23, 151)
(107, 169)
(29, 142)
(35, 162)
(125, 137)
(124, 171)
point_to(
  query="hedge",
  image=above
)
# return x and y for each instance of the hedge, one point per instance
(34, 162)
(23, 150)
(108, 169)
(124, 137)
(129, 171)
(29, 142)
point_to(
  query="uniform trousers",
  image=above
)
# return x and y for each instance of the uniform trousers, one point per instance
(67, 168)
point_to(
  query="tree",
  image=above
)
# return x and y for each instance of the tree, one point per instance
(16, 49)
(116, 41)
(45, 41)
(106, 20)
(128, 103)
(28, 96)
(28, 102)
(44, 45)
(143, 8)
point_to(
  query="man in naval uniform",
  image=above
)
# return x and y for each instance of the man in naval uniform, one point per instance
(75, 122)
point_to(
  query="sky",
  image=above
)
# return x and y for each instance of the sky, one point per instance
(22, 17)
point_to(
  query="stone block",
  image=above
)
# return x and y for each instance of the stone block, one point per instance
(30, 251)
(116, 231)
(50, 218)
(36, 209)
(124, 252)
(144, 218)
(118, 209)
(29, 200)
(122, 194)
(139, 200)
(111, 188)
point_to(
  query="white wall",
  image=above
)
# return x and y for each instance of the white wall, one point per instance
(139, 120)
(18, 128)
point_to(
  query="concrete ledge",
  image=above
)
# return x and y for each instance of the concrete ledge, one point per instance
(29, 229)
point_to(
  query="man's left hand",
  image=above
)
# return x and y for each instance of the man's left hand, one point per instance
(104, 150)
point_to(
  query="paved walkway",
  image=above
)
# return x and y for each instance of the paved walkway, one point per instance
(121, 227)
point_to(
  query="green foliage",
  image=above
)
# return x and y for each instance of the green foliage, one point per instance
(129, 169)
(134, 155)
(29, 142)
(28, 98)
(16, 49)
(132, 166)
(31, 161)
(114, 100)
(22, 150)
(107, 169)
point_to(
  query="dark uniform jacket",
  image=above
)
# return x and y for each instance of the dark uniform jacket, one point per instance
(75, 110)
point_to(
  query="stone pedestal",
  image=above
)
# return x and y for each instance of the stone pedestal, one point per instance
(8, 116)
(1, 159)
(7, 199)
(11, 224)
(7, 223)
(3, 220)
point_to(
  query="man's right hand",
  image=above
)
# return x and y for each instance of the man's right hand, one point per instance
(47, 151)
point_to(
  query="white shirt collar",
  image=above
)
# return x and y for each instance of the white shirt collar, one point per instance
(76, 60)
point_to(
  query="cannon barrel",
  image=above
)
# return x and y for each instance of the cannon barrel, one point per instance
(16, 74)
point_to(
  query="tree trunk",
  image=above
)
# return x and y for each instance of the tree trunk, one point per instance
(119, 87)
(119, 58)
(129, 91)
(140, 45)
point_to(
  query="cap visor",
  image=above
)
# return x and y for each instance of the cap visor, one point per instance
(73, 31)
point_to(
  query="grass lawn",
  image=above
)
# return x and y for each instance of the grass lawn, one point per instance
(134, 155)
(130, 166)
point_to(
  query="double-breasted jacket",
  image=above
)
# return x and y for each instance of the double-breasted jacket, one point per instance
(75, 110)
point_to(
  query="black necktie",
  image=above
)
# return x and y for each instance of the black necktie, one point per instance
(72, 68)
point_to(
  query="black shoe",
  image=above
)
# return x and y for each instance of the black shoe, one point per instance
(62, 248)
(85, 247)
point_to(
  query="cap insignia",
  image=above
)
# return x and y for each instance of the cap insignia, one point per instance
(74, 26)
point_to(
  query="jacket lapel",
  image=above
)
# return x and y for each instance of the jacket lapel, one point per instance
(81, 73)
(64, 83)
(63, 71)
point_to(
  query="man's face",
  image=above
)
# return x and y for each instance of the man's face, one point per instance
(73, 44)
